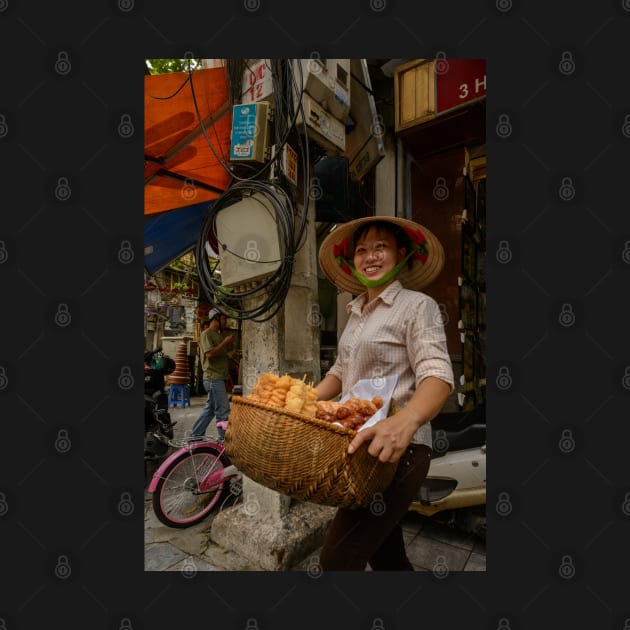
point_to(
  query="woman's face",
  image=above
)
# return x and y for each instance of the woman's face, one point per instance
(375, 253)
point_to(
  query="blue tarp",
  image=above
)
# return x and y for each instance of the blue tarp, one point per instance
(172, 234)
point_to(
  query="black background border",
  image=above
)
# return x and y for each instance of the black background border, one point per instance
(556, 555)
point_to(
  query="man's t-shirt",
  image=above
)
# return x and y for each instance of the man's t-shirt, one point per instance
(215, 368)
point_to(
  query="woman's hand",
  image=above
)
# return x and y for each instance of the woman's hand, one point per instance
(388, 438)
(391, 436)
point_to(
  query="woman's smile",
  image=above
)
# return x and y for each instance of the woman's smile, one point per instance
(375, 254)
(371, 269)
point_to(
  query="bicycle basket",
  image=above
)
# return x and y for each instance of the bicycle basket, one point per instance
(302, 457)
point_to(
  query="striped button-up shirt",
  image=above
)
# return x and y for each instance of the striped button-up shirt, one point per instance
(401, 332)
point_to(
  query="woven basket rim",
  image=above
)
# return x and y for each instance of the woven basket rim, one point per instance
(328, 426)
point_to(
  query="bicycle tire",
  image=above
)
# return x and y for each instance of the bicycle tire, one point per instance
(174, 501)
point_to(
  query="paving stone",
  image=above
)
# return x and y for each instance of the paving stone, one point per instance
(149, 535)
(195, 564)
(413, 522)
(151, 520)
(479, 546)
(476, 562)
(427, 553)
(191, 541)
(450, 535)
(161, 557)
(408, 536)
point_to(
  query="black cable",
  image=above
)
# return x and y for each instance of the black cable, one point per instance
(306, 164)
(267, 165)
(272, 290)
(298, 89)
(177, 91)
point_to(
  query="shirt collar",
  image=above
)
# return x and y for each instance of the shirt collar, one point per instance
(386, 296)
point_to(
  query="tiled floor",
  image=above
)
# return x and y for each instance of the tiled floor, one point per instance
(433, 546)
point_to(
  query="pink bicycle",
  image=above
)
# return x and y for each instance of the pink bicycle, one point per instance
(194, 481)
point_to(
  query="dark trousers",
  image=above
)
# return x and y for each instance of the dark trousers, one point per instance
(373, 534)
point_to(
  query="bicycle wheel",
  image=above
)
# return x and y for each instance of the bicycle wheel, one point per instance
(177, 500)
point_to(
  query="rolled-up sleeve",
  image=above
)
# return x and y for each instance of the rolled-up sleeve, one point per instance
(336, 369)
(426, 345)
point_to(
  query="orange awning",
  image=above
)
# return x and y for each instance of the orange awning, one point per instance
(180, 165)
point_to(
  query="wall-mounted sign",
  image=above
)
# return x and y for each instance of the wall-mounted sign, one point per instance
(459, 81)
(427, 88)
(257, 81)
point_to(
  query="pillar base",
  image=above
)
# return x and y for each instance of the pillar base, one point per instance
(272, 544)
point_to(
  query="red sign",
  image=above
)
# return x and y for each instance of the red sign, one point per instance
(290, 164)
(458, 81)
(257, 82)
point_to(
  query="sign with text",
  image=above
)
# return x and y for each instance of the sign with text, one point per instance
(257, 81)
(458, 81)
(290, 163)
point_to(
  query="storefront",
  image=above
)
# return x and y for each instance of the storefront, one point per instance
(440, 119)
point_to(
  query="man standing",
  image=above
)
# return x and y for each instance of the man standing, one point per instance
(213, 347)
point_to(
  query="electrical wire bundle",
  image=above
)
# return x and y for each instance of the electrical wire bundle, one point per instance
(264, 297)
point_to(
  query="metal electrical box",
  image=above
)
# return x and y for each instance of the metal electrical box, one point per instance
(321, 126)
(364, 144)
(250, 132)
(247, 239)
(327, 81)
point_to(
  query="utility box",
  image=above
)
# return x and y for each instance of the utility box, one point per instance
(321, 126)
(364, 144)
(327, 81)
(250, 132)
(247, 238)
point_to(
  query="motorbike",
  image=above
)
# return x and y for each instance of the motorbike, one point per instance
(158, 426)
(454, 490)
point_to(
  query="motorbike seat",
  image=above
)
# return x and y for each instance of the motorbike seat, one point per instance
(470, 437)
(459, 420)
(461, 430)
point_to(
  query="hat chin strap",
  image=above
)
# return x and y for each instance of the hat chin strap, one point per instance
(392, 273)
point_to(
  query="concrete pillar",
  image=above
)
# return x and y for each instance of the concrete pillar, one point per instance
(269, 529)
(263, 345)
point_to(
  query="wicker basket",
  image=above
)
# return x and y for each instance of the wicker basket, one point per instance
(302, 457)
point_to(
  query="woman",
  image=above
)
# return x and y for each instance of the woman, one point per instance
(393, 329)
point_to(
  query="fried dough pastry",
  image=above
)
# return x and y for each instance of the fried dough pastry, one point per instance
(285, 392)
(297, 396)
(352, 413)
